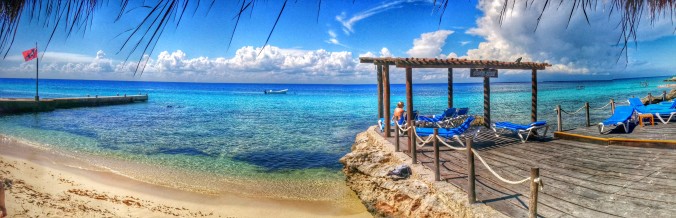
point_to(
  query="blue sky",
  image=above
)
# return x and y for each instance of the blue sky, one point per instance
(308, 49)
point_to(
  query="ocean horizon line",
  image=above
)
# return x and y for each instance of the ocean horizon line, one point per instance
(337, 84)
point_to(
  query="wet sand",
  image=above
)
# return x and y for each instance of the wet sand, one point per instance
(48, 183)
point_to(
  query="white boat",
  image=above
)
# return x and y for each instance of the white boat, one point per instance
(283, 91)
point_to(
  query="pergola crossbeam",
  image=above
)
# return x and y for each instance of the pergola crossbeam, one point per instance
(454, 63)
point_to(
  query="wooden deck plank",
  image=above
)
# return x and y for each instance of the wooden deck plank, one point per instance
(546, 199)
(581, 179)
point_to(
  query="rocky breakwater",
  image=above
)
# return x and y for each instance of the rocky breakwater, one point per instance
(366, 169)
(670, 95)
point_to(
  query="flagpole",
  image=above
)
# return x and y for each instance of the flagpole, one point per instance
(37, 78)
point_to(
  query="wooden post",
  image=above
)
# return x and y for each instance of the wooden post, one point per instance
(380, 90)
(650, 98)
(586, 109)
(450, 87)
(409, 110)
(386, 100)
(559, 125)
(612, 106)
(437, 170)
(487, 102)
(534, 96)
(37, 75)
(471, 193)
(533, 201)
(396, 137)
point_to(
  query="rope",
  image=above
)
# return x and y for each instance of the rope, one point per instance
(496, 174)
(602, 107)
(578, 110)
(401, 129)
(449, 145)
(422, 142)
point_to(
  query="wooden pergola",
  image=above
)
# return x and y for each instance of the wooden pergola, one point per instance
(383, 67)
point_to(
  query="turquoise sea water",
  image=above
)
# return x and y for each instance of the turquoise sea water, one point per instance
(235, 133)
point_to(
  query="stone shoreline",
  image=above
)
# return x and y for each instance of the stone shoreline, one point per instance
(366, 170)
(658, 98)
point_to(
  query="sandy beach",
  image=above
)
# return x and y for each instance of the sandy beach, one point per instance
(52, 185)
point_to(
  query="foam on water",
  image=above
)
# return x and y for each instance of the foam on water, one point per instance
(215, 138)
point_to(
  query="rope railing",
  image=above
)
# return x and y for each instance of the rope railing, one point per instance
(560, 111)
(400, 128)
(577, 111)
(423, 142)
(496, 174)
(441, 139)
(604, 106)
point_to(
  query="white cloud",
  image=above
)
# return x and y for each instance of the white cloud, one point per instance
(384, 52)
(59, 57)
(579, 48)
(333, 38)
(348, 23)
(274, 64)
(429, 44)
(463, 43)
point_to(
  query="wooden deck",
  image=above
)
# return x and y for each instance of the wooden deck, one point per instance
(660, 135)
(580, 179)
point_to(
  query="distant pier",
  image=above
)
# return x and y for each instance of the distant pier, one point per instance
(25, 105)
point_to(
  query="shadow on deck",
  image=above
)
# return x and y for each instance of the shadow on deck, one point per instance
(580, 179)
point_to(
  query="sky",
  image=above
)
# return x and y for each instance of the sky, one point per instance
(311, 47)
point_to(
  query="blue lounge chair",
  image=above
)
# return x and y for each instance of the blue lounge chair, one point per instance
(521, 129)
(663, 105)
(460, 116)
(655, 110)
(400, 122)
(672, 103)
(450, 112)
(621, 117)
(462, 111)
(438, 119)
(448, 133)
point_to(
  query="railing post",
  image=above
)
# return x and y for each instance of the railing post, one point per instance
(437, 170)
(471, 193)
(559, 125)
(412, 145)
(533, 201)
(586, 106)
(664, 95)
(650, 98)
(396, 136)
(612, 106)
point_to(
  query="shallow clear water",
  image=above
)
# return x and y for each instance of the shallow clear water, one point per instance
(237, 134)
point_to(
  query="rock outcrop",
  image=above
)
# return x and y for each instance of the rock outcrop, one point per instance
(366, 169)
(658, 98)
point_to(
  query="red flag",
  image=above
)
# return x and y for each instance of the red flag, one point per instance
(30, 54)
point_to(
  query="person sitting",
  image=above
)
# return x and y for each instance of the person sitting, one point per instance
(399, 111)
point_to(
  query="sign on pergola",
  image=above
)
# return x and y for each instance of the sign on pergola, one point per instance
(482, 68)
(483, 72)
